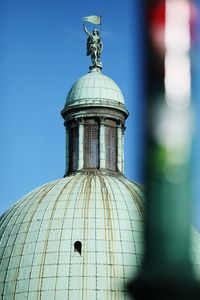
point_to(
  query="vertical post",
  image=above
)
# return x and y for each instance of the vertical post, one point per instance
(119, 148)
(166, 271)
(102, 152)
(80, 144)
(123, 131)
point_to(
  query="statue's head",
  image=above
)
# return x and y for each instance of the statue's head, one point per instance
(95, 32)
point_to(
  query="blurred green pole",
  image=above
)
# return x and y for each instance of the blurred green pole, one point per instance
(166, 271)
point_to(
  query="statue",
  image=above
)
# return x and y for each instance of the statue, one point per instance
(94, 47)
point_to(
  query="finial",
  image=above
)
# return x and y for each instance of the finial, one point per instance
(94, 42)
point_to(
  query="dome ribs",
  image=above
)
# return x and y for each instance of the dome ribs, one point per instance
(22, 245)
(130, 218)
(87, 198)
(109, 179)
(72, 233)
(44, 252)
(99, 211)
(134, 193)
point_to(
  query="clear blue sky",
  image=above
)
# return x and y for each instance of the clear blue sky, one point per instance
(42, 54)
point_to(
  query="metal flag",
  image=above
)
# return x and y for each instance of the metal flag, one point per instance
(92, 19)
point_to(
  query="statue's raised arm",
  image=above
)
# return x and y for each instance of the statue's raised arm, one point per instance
(86, 30)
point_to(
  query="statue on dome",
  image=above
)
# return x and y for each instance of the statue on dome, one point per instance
(94, 47)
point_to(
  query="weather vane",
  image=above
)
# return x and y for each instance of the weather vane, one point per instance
(94, 42)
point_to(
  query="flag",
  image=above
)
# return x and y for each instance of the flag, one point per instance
(92, 19)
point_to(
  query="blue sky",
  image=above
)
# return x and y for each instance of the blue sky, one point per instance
(42, 54)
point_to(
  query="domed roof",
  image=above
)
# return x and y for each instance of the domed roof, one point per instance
(74, 238)
(77, 237)
(94, 89)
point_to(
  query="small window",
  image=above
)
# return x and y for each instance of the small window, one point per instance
(78, 247)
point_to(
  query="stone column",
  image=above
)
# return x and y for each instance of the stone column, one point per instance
(80, 144)
(123, 130)
(119, 148)
(102, 152)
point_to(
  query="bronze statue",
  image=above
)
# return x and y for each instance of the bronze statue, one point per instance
(94, 47)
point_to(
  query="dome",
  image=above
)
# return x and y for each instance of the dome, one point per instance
(75, 238)
(95, 89)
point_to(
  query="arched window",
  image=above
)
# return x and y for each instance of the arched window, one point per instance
(91, 144)
(111, 145)
(78, 247)
(73, 146)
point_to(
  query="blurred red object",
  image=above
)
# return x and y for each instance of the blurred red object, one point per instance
(156, 20)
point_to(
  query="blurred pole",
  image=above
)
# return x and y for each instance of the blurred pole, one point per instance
(196, 104)
(167, 272)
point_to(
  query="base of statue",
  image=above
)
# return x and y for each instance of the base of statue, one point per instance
(96, 65)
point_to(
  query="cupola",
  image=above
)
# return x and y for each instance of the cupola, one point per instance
(94, 116)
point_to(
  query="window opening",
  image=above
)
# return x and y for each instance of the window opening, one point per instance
(111, 147)
(78, 247)
(73, 148)
(91, 145)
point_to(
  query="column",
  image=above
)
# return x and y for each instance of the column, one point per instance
(119, 148)
(102, 152)
(123, 130)
(80, 144)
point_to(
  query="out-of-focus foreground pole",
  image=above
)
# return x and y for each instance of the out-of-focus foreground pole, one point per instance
(167, 272)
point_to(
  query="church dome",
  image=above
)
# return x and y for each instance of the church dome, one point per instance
(74, 238)
(95, 89)
(79, 237)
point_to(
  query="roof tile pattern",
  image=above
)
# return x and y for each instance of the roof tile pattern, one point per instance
(38, 256)
(94, 85)
(104, 213)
